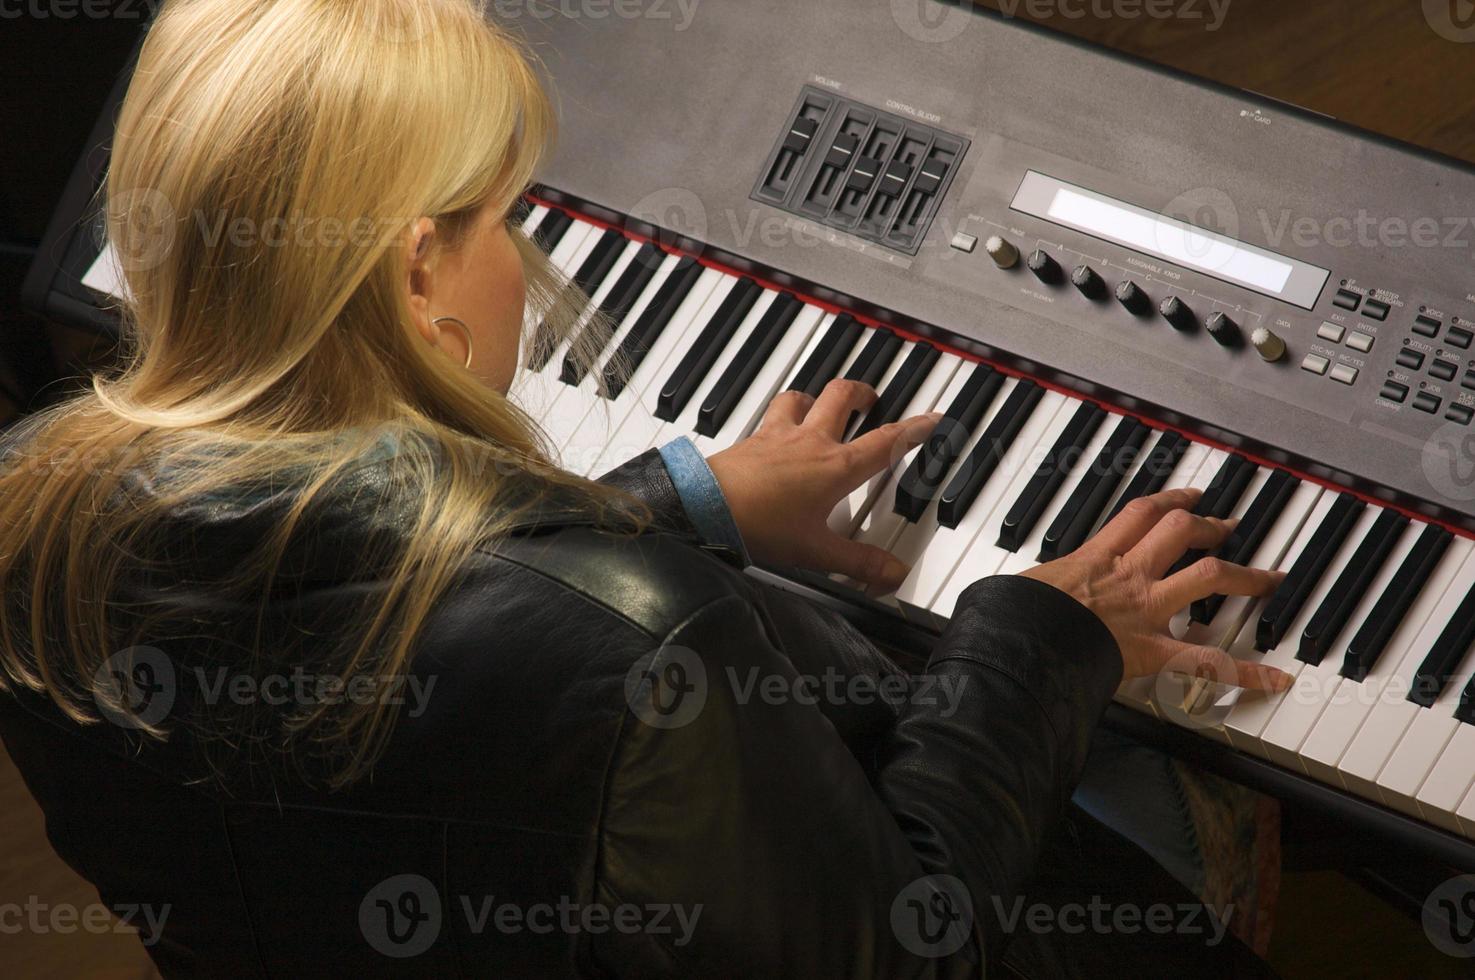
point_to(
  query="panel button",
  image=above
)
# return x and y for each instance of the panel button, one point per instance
(963, 242)
(1460, 413)
(1375, 309)
(842, 150)
(1468, 381)
(864, 175)
(1331, 331)
(1315, 363)
(1427, 326)
(1344, 373)
(1426, 402)
(800, 134)
(930, 179)
(1360, 341)
(896, 175)
(1347, 299)
(1393, 391)
(1411, 359)
(1444, 370)
(1459, 337)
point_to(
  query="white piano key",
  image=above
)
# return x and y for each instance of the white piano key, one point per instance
(1317, 684)
(1449, 780)
(535, 215)
(1466, 814)
(638, 429)
(934, 551)
(1353, 701)
(1429, 731)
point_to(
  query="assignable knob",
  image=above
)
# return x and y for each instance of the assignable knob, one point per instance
(1089, 282)
(1268, 344)
(1003, 252)
(1044, 267)
(1176, 312)
(1222, 328)
(1130, 295)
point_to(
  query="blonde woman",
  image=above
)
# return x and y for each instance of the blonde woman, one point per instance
(316, 664)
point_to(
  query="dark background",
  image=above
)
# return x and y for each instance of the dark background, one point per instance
(1377, 64)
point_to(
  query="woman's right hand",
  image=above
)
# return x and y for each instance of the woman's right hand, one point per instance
(1119, 576)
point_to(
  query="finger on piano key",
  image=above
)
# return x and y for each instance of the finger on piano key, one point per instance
(717, 407)
(639, 428)
(964, 406)
(1220, 497)
(933, 548)
(1402, 698)
(1016, 468)
(1427, 734)
(1102, 478)
(898, 392)
(877, 493)
(1380, 550)
(1072, 465)
(586, 396)
(1354, 700)
(748, 413)
(1259, 510)
(1232, 626)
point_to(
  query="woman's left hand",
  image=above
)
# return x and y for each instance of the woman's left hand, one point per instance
(782, 482)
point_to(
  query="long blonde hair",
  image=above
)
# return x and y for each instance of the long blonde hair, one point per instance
(268, 161)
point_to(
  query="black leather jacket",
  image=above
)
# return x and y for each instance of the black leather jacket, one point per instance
(604, 768)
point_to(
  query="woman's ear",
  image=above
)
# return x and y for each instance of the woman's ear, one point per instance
(419, 279)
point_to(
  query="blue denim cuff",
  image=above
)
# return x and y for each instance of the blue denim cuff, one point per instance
(702, 497)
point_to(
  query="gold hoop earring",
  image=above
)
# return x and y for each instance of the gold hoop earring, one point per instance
(465, 334)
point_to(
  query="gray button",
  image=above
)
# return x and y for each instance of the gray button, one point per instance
(964, 242)
(1344, 373)
(1331, 331)
(1315, 363)
(1360, 341)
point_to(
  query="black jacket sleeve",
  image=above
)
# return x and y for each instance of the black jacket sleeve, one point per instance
(741, 806)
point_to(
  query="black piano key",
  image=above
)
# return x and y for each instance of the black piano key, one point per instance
(1387, 613)
(705, 350)
(1444, 657)
(874, 358)
(587, 277)
(825, 360)
(1331, 618)
(1466, 710)
(924, 477)
(1091, 494)
(1286, 604)
(615, 306)
(903, 387)
(1154, 472)
(1220, 498)
(1002, 430)
(746, 364)
(647, 329)
(550, 231)
(1026, 511)
(1256, 523)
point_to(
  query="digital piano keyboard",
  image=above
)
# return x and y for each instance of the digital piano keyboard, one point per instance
(1110, 278)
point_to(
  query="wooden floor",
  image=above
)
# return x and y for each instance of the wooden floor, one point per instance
(1374, 63)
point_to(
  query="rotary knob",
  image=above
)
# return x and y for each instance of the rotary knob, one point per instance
(1268, 344)
(1044, 267)
(1130, 295)
(1176, 312)
(1004, 254)
(1089, 282)
(1222, 328)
